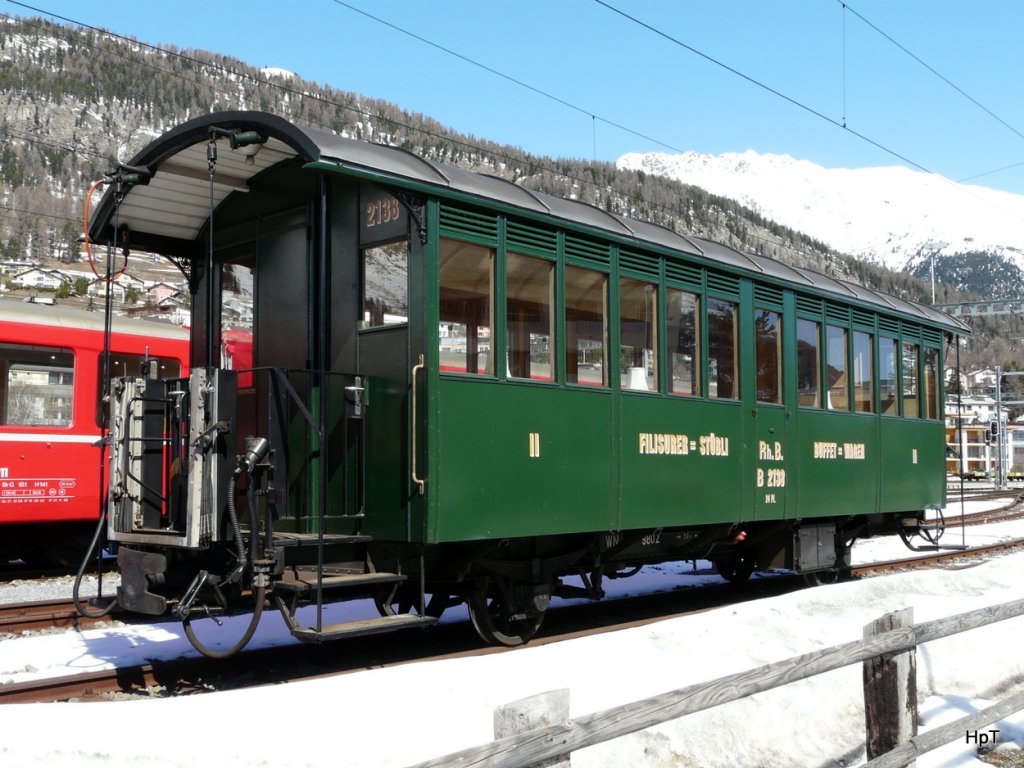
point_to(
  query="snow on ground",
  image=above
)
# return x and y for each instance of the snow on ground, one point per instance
(401, 715)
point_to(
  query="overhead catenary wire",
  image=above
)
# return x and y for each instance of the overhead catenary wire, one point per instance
(847, 7)
(516, 161)
(842, 125)
(301, 94)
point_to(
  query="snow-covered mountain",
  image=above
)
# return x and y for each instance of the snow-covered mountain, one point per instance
(892, 215)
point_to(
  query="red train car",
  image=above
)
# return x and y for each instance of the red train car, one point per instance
(51, 389)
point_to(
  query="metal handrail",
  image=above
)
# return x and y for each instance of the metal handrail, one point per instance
(420, 482)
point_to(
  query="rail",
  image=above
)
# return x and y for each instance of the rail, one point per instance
(557, 738)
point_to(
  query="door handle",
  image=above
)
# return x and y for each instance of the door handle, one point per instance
(419, 482)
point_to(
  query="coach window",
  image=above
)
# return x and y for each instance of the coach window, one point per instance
(931, 383)
(638, 321)
(529, 319)
(467, 302)
(836, 349)
(385, 284)
(911, 400)
(863, 373)
(723, 350)
(768, 355)
(237, 303)
(887, 377)
(808, 362)
(683, 328)
(586, 327)
(37, 386)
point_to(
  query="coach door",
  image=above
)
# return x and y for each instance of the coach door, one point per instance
(385, 361)
(770, 445)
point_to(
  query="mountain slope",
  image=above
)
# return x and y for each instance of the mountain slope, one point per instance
(77, 101)
(893, 216)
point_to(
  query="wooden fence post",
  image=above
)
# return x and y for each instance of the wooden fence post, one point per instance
(530, 714)
(890, 689)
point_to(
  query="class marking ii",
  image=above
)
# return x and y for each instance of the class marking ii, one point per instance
(535, 445)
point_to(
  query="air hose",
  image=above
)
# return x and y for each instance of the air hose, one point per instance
(256, 450)
(90, 614)
(260, 596)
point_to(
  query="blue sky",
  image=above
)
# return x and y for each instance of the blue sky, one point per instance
(614, 86)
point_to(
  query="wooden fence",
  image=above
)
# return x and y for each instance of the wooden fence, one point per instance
(546, 736)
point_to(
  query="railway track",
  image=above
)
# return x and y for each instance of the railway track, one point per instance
(1013, 509)
(16, 618)
(302, 662)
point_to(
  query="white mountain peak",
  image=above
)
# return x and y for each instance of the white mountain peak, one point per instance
(888, 215)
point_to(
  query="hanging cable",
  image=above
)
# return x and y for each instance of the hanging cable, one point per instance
(85, 228)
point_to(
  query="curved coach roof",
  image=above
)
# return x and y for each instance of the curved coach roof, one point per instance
(168, 214)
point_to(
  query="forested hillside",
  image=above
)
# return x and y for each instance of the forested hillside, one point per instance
(77, 101)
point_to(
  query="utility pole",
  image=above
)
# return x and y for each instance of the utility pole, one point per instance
(1001, 403)
(1000, 474)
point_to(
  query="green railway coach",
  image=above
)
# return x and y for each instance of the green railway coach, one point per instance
(420, 382)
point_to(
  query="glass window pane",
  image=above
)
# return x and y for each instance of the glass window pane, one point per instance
(887, 376)
(638, 321)
(36, 385)
(529, 321)
(911, 401)
(808, 362)
(768, 345)
(586, 327)
(466, 304)
(838, 381)
(931, 383)
(723, 366)
(863, 373)
(683, 341)
(237, 302)
(386, 284)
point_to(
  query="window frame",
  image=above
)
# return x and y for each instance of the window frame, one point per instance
(819, 350)
(845, 374)
(35, 362)
(369, 323)
(697, 356)
(511, 365)
(896, 387)
(650, 365)
(737, 359)
(562, 302)
(916, 380)
(489, 314)
(858, 378)
(780, 358)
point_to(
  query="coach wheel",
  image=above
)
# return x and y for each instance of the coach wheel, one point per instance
(735, 568)
(504, 612)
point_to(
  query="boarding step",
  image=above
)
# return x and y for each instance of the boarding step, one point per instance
(363, 627)
(289, 539)
(345, 581)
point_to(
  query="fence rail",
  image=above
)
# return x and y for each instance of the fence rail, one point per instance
(559, 739)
